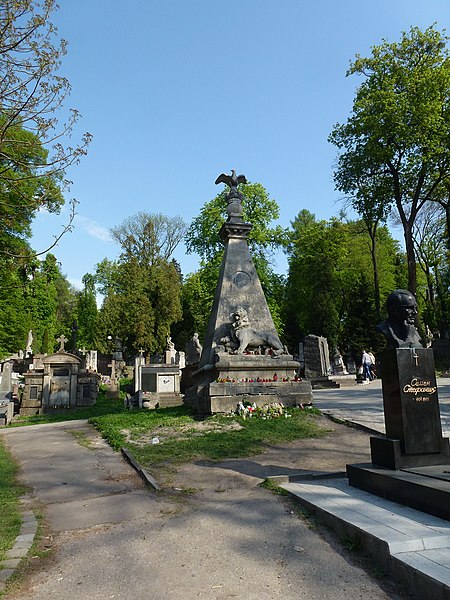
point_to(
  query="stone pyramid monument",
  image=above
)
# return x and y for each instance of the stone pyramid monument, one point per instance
(243, 357)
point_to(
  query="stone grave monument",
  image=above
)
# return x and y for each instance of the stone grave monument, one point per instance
(6, 400)
(242, 357)
(58, 383)
(411, 465)
(319, 369)
(193, 351)
(158, 384)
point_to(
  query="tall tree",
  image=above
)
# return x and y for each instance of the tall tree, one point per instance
(399, 130)
(149, 237)
(143, 288)
(34, 148)
(87, 313)
(329, 290)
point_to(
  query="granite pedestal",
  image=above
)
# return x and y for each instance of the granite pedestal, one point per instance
(411, 465)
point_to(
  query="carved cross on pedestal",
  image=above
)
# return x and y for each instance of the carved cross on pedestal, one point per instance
(416, 358)
(62, 340)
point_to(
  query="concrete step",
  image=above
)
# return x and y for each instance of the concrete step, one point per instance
(413, 546)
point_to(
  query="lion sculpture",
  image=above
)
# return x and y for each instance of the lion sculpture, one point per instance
(244, 337)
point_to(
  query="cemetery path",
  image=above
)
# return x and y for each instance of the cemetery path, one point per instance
(216, 534)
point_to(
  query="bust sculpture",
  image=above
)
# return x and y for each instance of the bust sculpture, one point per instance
(399, 328)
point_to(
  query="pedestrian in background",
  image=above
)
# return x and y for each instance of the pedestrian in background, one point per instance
(366, 361)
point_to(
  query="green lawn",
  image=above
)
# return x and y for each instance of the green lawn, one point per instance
(182, 437)
(10, 491)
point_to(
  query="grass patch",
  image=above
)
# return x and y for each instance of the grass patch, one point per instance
(81, 438)
(181, 437)
(273, 486)
(10, 491)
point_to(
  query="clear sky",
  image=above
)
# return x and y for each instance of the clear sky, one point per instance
(176, 92)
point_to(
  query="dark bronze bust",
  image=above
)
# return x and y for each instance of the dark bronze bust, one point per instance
(399, 328)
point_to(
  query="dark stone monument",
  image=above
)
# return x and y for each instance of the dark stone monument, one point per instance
(411, 464)
(242, 356)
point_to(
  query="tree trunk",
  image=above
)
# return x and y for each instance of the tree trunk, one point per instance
(376, 278)
(410, 257)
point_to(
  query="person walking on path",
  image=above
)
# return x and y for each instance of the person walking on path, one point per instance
(366, 361)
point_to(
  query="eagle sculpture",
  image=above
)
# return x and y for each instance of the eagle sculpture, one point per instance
(231, 180)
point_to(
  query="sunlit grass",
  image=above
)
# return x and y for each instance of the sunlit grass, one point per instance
(10, 492)
(181, 437)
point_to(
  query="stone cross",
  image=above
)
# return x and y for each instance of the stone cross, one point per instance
(62, 340)
(83, 351)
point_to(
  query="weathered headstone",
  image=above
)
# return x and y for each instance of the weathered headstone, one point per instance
(316, 356)
(6, 402)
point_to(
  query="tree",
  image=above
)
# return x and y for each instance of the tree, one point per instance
(432, 256)
(87, 313)
(149, 237)
(142, 289)
(397, 137)
(34, 153)
(329, 290)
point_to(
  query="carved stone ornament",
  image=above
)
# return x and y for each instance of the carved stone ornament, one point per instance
(242, 337)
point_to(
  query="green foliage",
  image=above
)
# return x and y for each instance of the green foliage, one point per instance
(37, 298)
(330, 286)
(258, 209)
(10, 491)
(87, 314)
(396, 142)
(143, 288)
(273, 486)
(33, 155)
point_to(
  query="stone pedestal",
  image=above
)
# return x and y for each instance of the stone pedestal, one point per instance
(411, 411)
(259, 379)
(411, 465)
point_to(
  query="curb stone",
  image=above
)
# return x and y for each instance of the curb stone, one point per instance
(22, 544)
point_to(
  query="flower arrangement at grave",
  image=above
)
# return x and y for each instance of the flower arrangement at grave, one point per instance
(268, 411)
(258, 379)
(273, 410)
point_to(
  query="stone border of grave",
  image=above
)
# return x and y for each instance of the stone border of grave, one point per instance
(22, 544)
(145, 475)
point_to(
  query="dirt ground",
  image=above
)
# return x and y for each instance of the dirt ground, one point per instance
(341, 446)
(213, 532)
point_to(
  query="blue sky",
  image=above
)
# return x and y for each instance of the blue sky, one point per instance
(176, 92)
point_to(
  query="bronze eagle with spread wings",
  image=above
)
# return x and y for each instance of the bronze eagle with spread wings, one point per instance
(232, 180)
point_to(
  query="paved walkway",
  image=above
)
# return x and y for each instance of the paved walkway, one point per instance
(362, 405)
(113, 538)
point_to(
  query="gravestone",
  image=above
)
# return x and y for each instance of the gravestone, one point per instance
(316, 356)
(411, 464)
(58, 383)
(338, 366)
(158, 383)
(6, 401)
